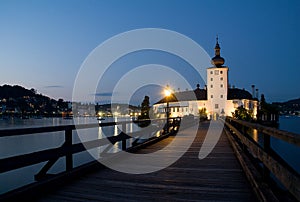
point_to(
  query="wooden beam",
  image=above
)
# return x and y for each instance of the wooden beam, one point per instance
(289, 178)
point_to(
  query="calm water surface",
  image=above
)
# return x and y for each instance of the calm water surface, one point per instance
(289, 152)
(11, 146)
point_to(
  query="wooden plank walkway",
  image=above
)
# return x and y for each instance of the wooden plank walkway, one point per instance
(218, 177)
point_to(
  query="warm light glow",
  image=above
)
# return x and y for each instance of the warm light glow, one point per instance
(167, 92)
(255, 135)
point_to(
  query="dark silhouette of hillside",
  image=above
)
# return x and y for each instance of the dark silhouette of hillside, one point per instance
(19, 101)
(289, 107)
(7, 91)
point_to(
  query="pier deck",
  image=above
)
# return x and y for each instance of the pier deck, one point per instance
(218, 177)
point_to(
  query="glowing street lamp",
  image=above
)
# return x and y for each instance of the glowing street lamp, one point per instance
(167, 94)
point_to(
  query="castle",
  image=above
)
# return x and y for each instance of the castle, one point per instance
(217, 98)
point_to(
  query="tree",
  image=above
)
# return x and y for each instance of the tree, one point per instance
(34, 91)
(267, 113)
(145, 108)
(202, 114)
(242, 114)
(144, 118)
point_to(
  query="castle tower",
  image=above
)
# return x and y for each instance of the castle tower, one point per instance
(217, 84)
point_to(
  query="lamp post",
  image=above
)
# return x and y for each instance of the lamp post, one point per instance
(167, 94)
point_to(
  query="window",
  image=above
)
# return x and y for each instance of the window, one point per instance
(211, 96)
(221, 72)
(221, 96)
(174, 109)
(221, 85)
(211, 86)
(216, 106)
(221, 78)
(177, 109)
(216, 72)
(211, 72)
(211, 79)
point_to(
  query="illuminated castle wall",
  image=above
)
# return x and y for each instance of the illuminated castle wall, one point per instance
(217, 97)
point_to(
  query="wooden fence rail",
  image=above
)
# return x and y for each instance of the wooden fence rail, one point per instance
(270, 160)
(67, 149)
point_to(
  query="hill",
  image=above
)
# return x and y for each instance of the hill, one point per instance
(19, 101)
(7, 91)
(289, 107)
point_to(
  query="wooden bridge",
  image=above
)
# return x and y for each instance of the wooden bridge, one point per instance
(237, 169)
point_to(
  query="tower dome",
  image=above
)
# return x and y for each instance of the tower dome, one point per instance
(218, 61)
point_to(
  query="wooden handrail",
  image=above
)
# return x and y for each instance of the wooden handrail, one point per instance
(67, 149)
(45, 129)
(289, 137)
(284, 173)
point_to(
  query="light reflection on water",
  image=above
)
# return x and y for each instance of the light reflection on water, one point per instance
(11, 146)
(255, 135)
(289, 152)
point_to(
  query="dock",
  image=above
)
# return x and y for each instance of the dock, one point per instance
(237, 169)
(219, 177)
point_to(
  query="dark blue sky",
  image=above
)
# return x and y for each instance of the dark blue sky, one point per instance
(44, 43)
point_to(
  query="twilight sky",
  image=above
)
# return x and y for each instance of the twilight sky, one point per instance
(44, 43)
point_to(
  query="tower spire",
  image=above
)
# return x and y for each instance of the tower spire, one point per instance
(217, 47)
(218, 61)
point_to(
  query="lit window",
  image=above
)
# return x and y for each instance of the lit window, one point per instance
(216, 106)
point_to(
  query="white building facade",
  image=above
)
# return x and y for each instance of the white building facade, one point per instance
(216, 98)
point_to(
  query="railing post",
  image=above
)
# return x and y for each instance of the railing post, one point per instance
(68, 144)
(124, 140)
(267, 148)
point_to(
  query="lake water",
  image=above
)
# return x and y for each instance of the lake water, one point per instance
(11, 146)
(289, 152)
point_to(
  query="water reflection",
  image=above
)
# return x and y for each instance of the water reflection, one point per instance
(131, 128)
(16, 145)
(104, 132)
(255, 135)
(100, 136)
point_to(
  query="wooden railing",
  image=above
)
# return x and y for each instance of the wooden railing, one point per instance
(272, 162)
(67, 149)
